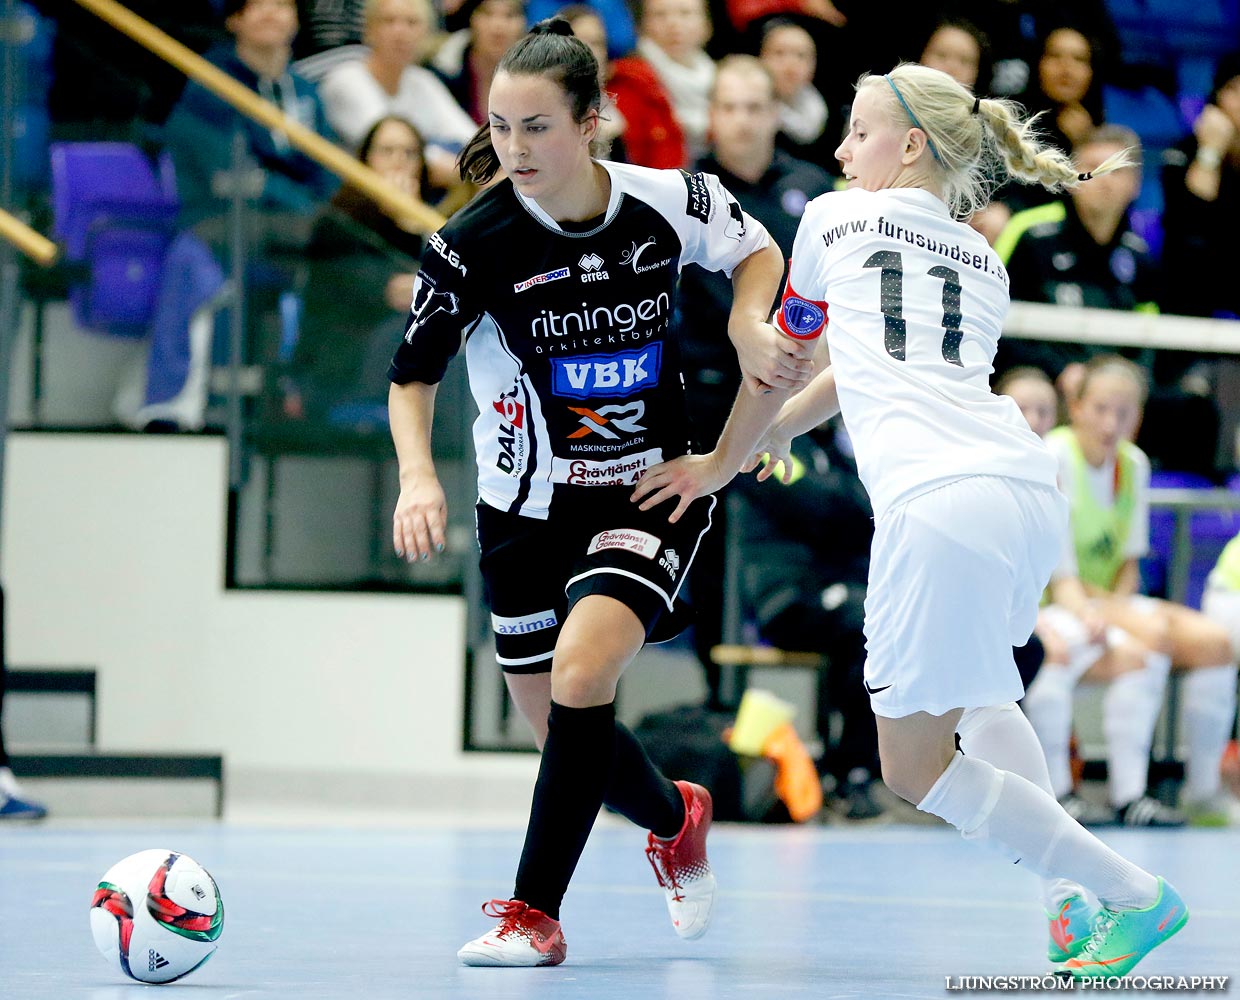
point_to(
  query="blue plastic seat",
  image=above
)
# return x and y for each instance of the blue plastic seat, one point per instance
(115, 212)
(1209, 532)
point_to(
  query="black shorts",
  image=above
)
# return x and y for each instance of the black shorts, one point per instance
(534, 571)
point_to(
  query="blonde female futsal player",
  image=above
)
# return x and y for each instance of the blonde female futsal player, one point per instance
(969, 523)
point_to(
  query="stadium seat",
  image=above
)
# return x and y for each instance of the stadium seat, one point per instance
(115, 213)
(1209, 531)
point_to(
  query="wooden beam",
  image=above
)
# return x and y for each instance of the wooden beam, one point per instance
(393, 201)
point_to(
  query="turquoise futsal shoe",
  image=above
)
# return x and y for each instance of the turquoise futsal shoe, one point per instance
(1070, 929)
(1121, 938)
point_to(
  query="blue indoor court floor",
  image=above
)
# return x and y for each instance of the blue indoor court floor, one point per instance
(361, 913)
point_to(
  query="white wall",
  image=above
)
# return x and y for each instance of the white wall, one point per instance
(112, 557)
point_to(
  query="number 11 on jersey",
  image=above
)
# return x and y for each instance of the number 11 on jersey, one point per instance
(891, 304)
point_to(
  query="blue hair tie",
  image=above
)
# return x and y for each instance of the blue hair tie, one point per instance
(909, 111)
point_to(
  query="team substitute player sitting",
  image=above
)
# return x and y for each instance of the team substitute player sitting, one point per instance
(562, 278)
(968, 520)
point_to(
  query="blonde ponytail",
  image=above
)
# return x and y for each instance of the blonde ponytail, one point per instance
(976, 141)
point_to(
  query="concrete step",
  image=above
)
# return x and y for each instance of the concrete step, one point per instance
(110, 783)
(50, 706)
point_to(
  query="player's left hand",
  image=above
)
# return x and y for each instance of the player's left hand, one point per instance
(770, 359)
(687, 477)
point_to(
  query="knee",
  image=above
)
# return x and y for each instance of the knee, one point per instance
(580, 682)
(1216, 645)
(1127, 658)
(1158, 636)
(912, 778)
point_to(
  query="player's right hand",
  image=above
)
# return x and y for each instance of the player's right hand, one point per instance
(420, 520)
(774, 451)
(770, 359)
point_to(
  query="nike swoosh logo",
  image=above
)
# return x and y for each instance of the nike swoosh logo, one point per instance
(875, 690)
(1163, 926)
(545, 945)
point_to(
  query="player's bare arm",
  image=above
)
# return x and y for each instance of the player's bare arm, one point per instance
(421, 511)
(768, 358)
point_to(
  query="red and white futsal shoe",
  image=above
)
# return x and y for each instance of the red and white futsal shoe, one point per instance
(525, 937)
(682, 868)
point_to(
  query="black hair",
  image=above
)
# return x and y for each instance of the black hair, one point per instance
(550, 49)
(1099, 65)
(368, 140)
(985, 55)
(776, 23)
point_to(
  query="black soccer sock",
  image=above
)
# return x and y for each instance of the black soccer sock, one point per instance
(575, 772)
(639, 792)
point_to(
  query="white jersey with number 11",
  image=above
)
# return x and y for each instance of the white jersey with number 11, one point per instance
(912, 303)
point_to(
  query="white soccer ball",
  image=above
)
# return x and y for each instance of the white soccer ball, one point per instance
(156, 916)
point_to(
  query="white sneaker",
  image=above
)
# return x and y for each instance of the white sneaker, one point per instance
(525, 937)
(1220, 809)
(682, 868)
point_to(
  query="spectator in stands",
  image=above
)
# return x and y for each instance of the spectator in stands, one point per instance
(1067, 92)
(388, 81)
(673, 36)
(1106, 480)
(361, 269)
(13, 801)
(589, 26)
(960, 49)
(328, 24)
(1207, 802)
(805, 579)
(770, 185)
(1015, 30)
(619, 31)
(774, 188)
(1082, 251)
(278, 217)
(745, 13)
(652, 134)
(467, 59)
(201, 127)
(789, 53)
(1080, 649)
(1201, 184)
(1078, 251)
(1067, 87)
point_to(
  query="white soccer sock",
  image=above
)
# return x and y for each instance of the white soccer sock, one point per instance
(1130, 710)
(1048, 705)
(8, 784)
(989, 805)
(1002, 736)
(1209, 713)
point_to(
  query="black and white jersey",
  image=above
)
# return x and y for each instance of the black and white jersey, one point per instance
(577, 380)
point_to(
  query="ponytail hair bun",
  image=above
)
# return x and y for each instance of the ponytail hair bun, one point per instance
(553, 26)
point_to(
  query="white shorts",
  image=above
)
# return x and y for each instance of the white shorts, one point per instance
(955, 578)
